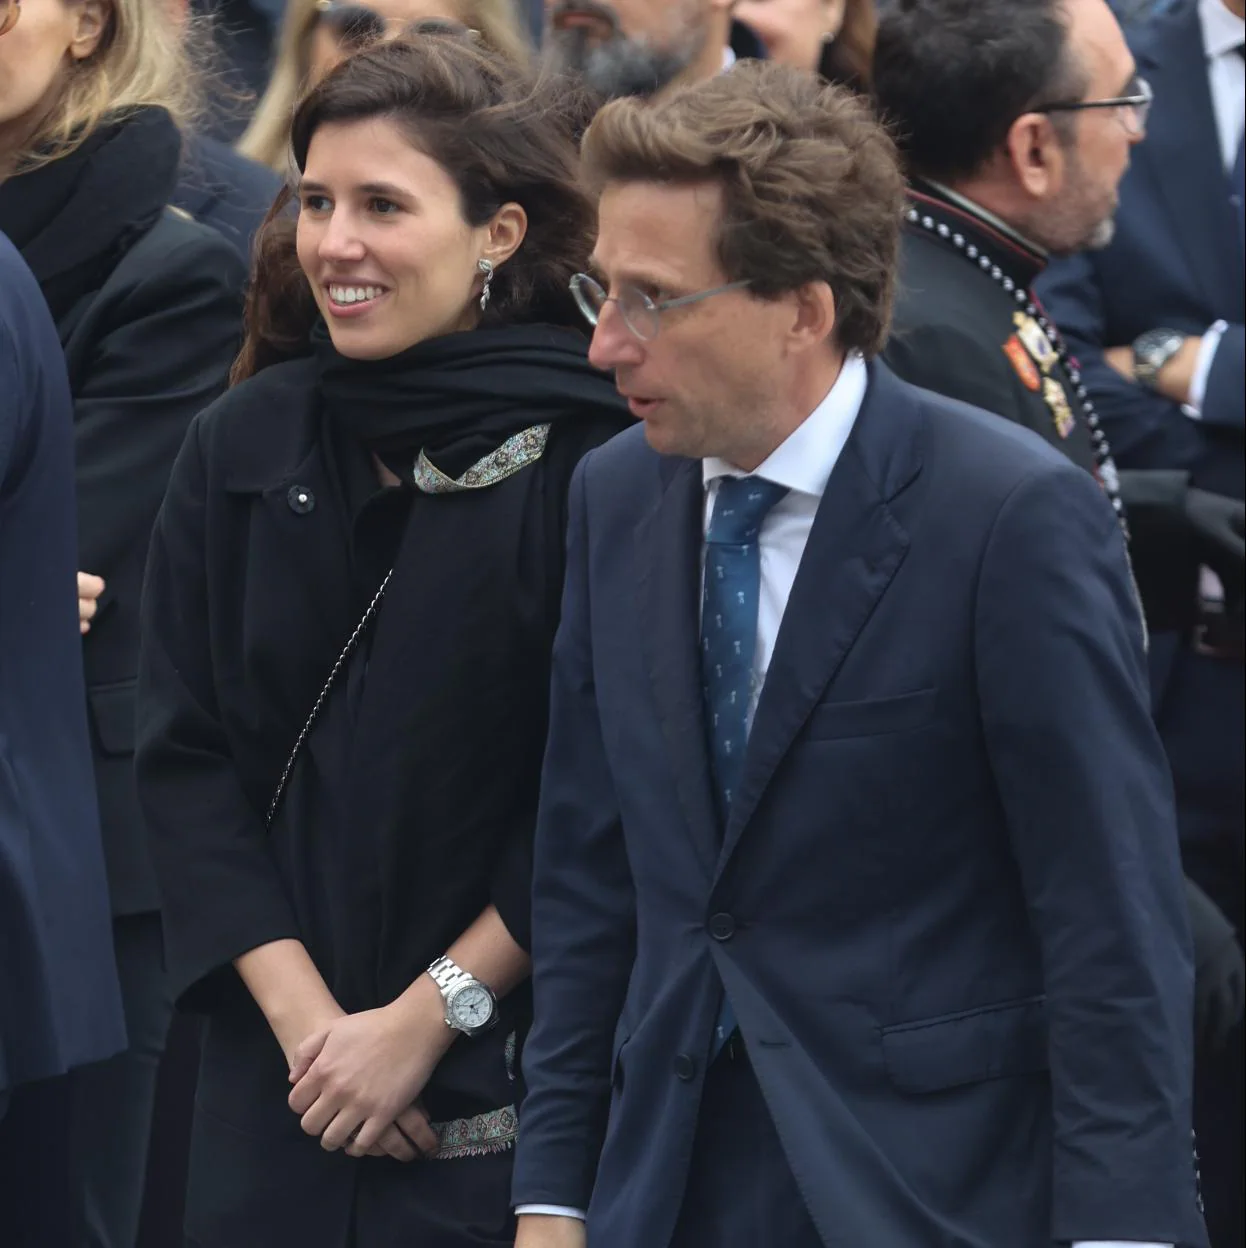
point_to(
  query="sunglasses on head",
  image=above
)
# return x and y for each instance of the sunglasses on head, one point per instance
(10, 11)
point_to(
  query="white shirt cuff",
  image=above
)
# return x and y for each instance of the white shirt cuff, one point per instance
(1116, 1243)
(1202, 369)
(562, 1211)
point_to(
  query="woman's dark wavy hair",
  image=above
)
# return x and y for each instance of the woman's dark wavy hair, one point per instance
(503, 137)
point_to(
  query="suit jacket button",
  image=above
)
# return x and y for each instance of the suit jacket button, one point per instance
(301, 500)
(722, 926)
(685, 1067)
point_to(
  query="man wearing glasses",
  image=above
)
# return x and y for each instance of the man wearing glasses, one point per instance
(1157, 321)
(857, 914)
(1017, 123)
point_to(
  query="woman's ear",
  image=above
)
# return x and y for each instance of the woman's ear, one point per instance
(506, 232)
(91, 21)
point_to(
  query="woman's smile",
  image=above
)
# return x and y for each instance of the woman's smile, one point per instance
(352, 299)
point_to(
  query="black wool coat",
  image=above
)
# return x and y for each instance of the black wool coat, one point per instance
(410, 808)
(146, 352)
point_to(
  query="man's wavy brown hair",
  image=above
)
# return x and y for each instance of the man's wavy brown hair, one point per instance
(812, 189)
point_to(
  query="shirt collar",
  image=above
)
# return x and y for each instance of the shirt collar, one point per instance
(996, 223)
(804, 460)
(1223, 32)
(729, 57)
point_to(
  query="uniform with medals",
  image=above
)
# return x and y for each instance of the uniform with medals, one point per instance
(966, 325)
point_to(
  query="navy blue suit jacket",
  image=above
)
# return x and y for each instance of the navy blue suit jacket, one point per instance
(947, 908)
(223, 189)
(60, 1005)
(1176, 261)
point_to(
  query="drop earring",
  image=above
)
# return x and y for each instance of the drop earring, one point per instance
(486, 267)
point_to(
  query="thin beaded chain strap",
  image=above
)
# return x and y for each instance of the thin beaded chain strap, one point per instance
(352, 644)
(1109, 478)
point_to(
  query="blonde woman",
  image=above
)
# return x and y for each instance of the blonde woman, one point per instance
(147, 305)
(315, 34)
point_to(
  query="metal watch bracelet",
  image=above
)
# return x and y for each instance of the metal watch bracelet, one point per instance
(448, 975)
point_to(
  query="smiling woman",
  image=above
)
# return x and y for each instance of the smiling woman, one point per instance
(351, 602)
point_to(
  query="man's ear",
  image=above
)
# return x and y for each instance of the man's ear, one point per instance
(814, 316)
(1037, 157)
(92, 18)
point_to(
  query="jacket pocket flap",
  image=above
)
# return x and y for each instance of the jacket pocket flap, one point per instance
(969, 1047)
(112, 709)
(875, 715)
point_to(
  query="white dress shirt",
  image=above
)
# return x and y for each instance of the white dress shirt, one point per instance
(803, 463)
(1223, 34)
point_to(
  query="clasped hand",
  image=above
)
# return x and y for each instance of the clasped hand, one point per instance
(358, 1080)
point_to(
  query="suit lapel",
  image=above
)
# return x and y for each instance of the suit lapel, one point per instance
(1182, 135)
(854, 550)
(668, 558)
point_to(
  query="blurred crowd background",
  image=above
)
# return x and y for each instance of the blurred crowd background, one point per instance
(209, 135)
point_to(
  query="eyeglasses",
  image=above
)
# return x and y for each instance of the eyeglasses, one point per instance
(356, 25)
(10, 11)
(1132, 108)
(351, 24)
(641, 314)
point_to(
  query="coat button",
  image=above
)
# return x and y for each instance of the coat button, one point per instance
(301, 500)
(685, 1067)
(722, 926)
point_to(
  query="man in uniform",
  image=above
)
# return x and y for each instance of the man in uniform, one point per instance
(1017, 123)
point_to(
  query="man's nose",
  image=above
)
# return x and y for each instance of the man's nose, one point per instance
(613, 343)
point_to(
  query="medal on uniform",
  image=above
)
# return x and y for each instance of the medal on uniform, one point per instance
(1061, 412)
(1020, 359)
(1031, 335)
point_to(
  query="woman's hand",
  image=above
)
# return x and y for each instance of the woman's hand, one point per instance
(362, 1074)
(411, 1138)
(89, 589)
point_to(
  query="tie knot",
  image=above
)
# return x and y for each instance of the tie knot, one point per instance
(741, 506)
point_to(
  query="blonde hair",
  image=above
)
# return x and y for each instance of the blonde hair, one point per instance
(141, 60)
(267, 138)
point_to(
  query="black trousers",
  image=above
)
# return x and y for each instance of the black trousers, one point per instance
(740, 1191)
(1201, 722)
(111, 1102)
(35, 1185)
(1219, 1086)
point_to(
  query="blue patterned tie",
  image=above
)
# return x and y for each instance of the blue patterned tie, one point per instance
(729, 638)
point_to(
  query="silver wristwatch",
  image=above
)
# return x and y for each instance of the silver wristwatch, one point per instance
(471, 1006)
(1152, 351)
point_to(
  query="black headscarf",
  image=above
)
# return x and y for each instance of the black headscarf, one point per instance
(420, 802)
(460, 396)
(76, 216)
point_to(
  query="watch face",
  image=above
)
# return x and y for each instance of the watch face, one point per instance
(471, 1007)
(1156, 347)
